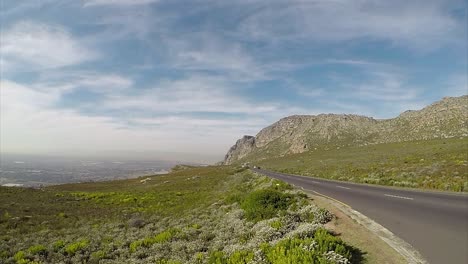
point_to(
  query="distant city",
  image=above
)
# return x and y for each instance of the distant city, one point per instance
(34, 171)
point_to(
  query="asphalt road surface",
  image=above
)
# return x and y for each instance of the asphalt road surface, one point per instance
(436, 224)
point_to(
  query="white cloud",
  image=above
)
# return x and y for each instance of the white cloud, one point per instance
(28, 45)
(193, 94)
(88, 3)
(204, 51)
(105, 82)
(419, 24)
(385, 86)
(355, 62)
(70, 80)
(30, 124)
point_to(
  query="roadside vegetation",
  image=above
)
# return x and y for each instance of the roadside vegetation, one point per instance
(193, 215)
(440, 164)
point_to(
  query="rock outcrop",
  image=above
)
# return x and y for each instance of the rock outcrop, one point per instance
(295, 134)
(242, 148)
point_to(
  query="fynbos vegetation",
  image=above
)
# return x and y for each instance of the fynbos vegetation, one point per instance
(440, 164)
(194, 215)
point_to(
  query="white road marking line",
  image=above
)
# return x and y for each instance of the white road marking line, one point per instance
(342, 187)
(400, 197)
(316, 182)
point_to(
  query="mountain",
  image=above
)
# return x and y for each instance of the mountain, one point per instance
(446, 118)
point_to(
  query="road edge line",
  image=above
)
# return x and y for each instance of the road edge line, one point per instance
(328, 197)
(409, 253)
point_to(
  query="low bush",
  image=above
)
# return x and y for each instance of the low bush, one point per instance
(308, 250)
(238, 257)
(38, 250)
(73, 248)
(19, 255)
(98, 255)
(149, 241)
(276, 224)
(265, 204)
(58, 245)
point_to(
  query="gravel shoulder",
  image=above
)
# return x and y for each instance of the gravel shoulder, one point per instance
(375, 250)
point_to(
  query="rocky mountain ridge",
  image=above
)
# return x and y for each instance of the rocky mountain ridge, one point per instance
(299, 133)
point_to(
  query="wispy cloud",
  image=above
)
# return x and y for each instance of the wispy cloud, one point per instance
(304, 90)
(207, 52)
(89, 3)
(193, 94)
(401, 22)
(385, 86)
(94, 81)
(355, 62)
(28, 45)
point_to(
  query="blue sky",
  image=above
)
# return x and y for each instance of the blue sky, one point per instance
(156, 77)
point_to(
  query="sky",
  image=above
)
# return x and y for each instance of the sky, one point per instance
(169, 78)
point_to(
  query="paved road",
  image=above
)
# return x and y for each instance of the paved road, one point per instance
(436, 224)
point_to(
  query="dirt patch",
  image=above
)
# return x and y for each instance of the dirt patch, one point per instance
(375, 250)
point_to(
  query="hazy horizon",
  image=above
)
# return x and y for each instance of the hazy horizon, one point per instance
(179, 158)
(183, 80)
(35, 170)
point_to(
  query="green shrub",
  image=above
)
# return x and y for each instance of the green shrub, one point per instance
(307, 250)
(265, 204)
(238, 257)
(217, 257)
(38, 249)
(166, 235)
(135, 245)
(327, 242)
(98, 255)
(71, 249)
(20, 258)
(276, 224)
(62, 215)
(195, 226)
(58, 245)
(241, 257)
(149, 241)
(199, 258)
(19, 255)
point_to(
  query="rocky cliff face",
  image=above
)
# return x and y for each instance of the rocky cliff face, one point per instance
(242, 148)
(295, 134)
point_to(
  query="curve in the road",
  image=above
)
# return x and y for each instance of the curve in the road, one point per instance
(435, 223)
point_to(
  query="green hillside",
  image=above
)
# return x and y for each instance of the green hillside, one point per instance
(444, 119)
(440, 164)
(193, 215)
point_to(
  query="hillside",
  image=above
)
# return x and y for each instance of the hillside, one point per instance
(218, 214)
(297, 134)
(440, 164)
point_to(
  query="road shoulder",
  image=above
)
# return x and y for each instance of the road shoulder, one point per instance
(375, 249)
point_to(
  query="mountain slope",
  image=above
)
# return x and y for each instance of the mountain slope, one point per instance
(296, 134)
